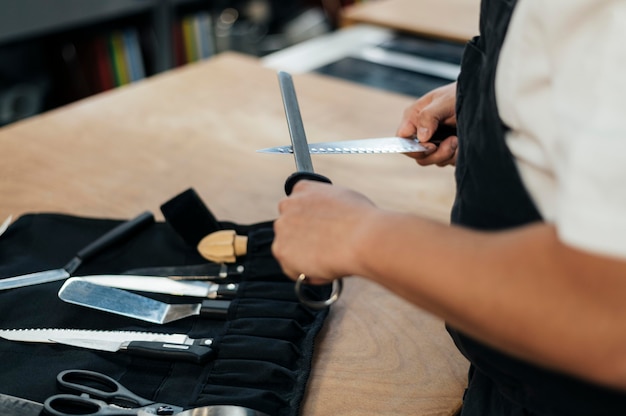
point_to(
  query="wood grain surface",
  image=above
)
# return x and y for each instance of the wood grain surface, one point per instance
(455, 20)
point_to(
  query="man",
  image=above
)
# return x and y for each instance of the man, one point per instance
(531, 275)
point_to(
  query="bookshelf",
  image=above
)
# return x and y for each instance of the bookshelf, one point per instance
(53, 53)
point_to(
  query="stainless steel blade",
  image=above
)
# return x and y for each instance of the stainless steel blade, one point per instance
(361, 146)
(45, 335)
(109, 299)
(34, 278)
(155, 284)
(91, 344)
(121, 302)
(294, 123)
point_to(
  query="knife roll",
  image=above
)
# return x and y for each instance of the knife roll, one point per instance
(263, 348)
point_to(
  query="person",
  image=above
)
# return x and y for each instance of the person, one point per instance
(530, 277)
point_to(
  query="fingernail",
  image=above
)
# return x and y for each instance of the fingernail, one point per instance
(422, 133)
(430, 148)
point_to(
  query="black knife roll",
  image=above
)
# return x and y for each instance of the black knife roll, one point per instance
(263, 349)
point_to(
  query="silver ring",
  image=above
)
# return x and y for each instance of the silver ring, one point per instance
(318, 304)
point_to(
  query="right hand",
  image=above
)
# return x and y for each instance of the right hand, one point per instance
(424, 117)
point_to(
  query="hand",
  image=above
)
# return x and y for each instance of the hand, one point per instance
(317, 230)
(424, 117)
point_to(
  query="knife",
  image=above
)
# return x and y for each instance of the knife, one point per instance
(369, 146)
(44, 335)
(121, 302)
(114, 236)
(157, 345)
(152, 349)
(157, 284)
(206, 271)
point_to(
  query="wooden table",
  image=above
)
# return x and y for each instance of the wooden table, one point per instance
(131, 149)
(455, 20)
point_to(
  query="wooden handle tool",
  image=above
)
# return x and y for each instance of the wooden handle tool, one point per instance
(223, 246)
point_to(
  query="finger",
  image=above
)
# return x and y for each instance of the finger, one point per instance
(443, 156)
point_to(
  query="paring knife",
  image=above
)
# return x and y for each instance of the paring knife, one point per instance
(165, 285)
(149, 344)
(121, 302)
(110, 238)
(369, 146)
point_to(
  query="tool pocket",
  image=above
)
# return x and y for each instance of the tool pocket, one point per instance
(263, 345)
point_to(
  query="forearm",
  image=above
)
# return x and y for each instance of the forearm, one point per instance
(500, 287)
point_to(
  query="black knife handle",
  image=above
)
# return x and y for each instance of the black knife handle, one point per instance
(175, 352)
(227, 290)
(117, 234)
(442, 133)
(298, 176)
(216, 309)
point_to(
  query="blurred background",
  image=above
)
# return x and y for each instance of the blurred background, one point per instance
(53, 52)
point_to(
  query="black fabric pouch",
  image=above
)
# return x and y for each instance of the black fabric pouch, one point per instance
(263, 349)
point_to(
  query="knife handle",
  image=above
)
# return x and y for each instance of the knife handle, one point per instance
(164, 350)
(216, 309)
(227, 291)
(117, 234)
(442, 133)
(298, 176)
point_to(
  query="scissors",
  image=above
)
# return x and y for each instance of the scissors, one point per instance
(100, 395)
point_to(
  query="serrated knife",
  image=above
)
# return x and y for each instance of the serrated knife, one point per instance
(147, 344)
(377, 145)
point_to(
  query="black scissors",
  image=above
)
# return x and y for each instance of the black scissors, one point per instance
(100, 395)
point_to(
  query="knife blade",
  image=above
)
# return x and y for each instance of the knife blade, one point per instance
(44, 335)
(152, 349)
(377, 145)
(165, 285)
(132, 305)
(113, 236)
(360, 146)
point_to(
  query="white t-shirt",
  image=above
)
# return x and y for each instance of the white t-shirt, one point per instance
(561, 88)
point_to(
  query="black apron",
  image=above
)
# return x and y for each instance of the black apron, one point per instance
(491, 196)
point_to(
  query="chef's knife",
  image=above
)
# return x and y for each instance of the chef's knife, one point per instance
(304, 165)
(156, 284)
(152, 349)
(121, 302)
(45, 335)
(114, 236)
